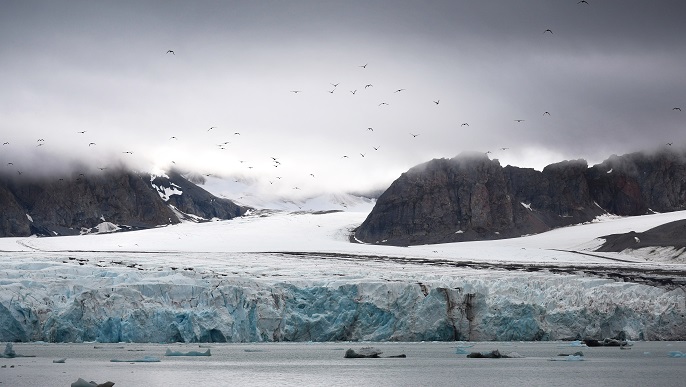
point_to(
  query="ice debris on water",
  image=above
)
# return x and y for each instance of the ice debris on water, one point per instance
(60, 361)
(367, 352)
(190, 353)
(677, 354)
(576, 356)
(10, 353)
(144, 359)
(494, 354)
(82, 383)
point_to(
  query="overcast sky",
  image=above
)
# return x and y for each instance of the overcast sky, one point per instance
(609, 73)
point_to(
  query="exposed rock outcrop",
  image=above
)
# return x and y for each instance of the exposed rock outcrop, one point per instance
(77, 204)
(194, 200)
(471, 197)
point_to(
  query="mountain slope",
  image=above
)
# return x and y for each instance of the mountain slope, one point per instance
(78, 204)
(471, 197)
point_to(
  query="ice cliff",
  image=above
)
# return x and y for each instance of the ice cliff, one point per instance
(57, 302)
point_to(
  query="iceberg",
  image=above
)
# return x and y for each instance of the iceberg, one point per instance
(144, 359)
(10, 353)
(82, 383)
(169, 352)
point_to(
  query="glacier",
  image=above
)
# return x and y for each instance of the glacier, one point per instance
(254, 280)
(77, 303)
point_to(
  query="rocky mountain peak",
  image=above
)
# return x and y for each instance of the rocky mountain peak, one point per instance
(471, 197)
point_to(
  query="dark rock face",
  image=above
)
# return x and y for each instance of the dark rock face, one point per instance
(471, 197)
(441, 201)
(195, 200)
(66, 206)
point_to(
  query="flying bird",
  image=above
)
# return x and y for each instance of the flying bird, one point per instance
(368, 85)
(519, 120)
(331, 91)
(362, 154)
(376, 148)
(5, 143)
(583, 2)
(364, 66)
(548, 30)
(92, 143)
(81, 132)
(211, 127)
(171, 52)
(464, 124)
(677, 108)
(173, 138)
(504, 148)
(399, 90)
(295, 91)
(383, 103)
(544, 113)
(128, 152)
(370, 129)
(10, 163)
(40, 139)
(414, 135)
(353, 91)
(669, 144)
(335, 84)
(437, 101)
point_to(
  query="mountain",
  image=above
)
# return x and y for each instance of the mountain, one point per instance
(471, 197)
(104, 202)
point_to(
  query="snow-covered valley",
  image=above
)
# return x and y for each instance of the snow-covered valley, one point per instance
(295, 276)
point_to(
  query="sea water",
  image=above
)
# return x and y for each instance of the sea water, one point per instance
(323, 364)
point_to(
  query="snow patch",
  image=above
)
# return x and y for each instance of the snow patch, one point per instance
(527, 206)
(30, 218)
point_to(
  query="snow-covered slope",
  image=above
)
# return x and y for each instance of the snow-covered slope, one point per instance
(295, 276)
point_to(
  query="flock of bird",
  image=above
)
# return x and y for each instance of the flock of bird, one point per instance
(275, 161)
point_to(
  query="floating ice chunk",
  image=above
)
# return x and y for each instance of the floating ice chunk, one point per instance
(367, 352)
(82, 383)
(677, 354)
(575, 343)
(144, 359)
(190, 353)
(494, 354)
(60, 361)
(568, 358)
(10, 353)
(363, 352)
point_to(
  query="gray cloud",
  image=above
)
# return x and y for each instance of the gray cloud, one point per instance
(609, 75)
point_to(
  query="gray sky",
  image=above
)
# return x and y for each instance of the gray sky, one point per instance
(609, 74)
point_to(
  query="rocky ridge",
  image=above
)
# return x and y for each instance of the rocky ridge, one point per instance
(471, 197)
(107, 201)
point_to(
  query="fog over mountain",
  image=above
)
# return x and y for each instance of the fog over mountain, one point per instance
(285, 93)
